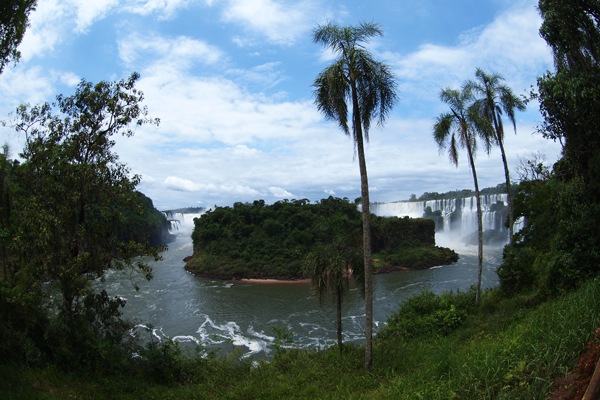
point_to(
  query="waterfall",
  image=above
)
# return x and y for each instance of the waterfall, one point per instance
(182, 222)
(456, 217)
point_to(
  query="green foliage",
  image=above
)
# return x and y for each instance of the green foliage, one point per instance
(559, 248)
(426, 314)
(14, 15)
(186, 210)
(284, 337)
(331, 263)
(413, 257)
(263, 241)
(142, 222)
(570, 97)
(393, 232)
(64, 212)
(164, 362)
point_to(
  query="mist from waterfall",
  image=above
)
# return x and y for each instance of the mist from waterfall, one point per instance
(456, 219)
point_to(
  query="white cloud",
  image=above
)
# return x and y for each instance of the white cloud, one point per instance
(169, 54)
(181, 185)
(211, 110)
(89, 12)
(329, 192)
(166, 8)
(278, 21)
(281, 193)
(69, 79)
(510, 46)
(54, 20)
(47, 26)
(266, 75)
(240, 190)
(25, 85)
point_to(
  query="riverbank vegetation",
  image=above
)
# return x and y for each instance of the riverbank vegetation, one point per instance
(434, 347)
(269, 241)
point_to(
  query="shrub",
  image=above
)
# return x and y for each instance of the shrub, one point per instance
(428, 314)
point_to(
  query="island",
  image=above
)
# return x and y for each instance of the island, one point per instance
(259, 241)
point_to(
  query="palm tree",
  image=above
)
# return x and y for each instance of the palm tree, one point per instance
(370, 88)
(330, 265)
(460, 127)
(498, 98)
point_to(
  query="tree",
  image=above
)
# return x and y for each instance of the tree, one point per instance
(330, 265)
(72, 188)
(14, 16)
(569, 96)
(496, 99)
(370, 88)
(533, 168)
(460, 127)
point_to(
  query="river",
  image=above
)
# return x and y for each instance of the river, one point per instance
(226, 315)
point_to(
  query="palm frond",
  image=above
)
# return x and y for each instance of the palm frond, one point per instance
(331, 92)
(374, 82)
(442, 130)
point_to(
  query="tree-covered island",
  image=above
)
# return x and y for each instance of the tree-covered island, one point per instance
(269, 241)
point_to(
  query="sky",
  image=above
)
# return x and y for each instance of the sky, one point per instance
(231, 81)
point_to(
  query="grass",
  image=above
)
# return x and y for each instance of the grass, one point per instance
(504, 349)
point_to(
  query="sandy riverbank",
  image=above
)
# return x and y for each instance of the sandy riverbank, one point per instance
(274, 281)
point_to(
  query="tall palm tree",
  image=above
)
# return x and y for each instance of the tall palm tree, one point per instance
(496, 99)
(369, 86)
(331, 264)
(460, 127)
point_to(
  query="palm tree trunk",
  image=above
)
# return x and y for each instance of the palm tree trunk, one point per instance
(499, 139)
(479, 226)
(509, 201)
(366, 213)
(338, 320)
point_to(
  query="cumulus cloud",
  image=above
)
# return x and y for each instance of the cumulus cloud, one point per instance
(55, 20)
(213, 109)
(181, 185)
(25, 85)
(280, 22)
(281, 193)
(510, 45)
(48, 25)
(69, 79)
(165, 8)
(89, 12)
(167, 53)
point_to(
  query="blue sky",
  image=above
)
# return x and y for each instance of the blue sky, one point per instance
(231, 82)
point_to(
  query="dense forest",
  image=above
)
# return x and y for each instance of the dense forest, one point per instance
(61, 206)
(269, 241)
(142, 223)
